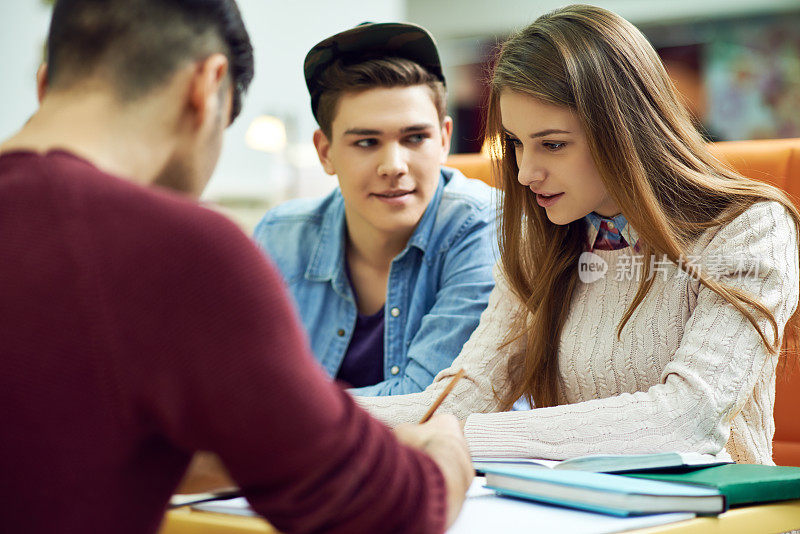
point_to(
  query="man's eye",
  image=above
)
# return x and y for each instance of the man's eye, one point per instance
(366, 143)
(417, 138)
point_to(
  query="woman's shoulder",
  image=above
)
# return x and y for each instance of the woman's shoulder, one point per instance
(765, 223)
(766, 211)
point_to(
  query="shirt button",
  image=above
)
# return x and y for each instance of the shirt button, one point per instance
(340, 332)
(610, 225)
(395, 312)
(394, 370)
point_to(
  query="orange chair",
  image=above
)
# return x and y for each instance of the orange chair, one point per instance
(774, 161)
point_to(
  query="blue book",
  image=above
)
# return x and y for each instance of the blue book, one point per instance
(607, 494)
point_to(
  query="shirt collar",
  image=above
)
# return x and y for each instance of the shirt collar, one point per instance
(327, 261)
(593, 221)
(424, 230)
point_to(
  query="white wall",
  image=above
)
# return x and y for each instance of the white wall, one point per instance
(23, 29)
(282, 32)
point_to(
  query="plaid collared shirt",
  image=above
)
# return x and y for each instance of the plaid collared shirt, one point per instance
(613, 233)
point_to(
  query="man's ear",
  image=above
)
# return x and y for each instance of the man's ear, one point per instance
(447, 135)
(41, 81)
(205, 95)
(323, 146)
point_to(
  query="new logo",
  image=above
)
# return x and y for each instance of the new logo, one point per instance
(591, 267)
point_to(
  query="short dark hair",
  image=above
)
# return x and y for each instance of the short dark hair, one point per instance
(341, 78)
(138, 44)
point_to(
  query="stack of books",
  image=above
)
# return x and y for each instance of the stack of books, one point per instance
(645, 485)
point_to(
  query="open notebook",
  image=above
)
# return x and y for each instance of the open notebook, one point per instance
(612, 463)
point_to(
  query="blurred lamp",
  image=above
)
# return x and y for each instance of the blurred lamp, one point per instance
(266, 133)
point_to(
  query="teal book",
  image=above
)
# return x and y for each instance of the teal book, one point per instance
(608, 494)
(739, 483)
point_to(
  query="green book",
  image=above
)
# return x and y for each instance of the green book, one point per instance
(739, 483)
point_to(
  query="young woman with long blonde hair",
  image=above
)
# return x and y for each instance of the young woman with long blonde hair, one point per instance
(643, 288)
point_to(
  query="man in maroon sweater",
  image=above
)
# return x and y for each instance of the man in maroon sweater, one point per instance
(138, 327)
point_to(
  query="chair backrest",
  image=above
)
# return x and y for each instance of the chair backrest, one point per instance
(776, 161)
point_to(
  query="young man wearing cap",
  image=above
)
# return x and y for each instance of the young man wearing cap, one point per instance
(392, 270)
(139, 327)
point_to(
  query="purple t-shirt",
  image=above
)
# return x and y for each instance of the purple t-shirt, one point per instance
(363, 361)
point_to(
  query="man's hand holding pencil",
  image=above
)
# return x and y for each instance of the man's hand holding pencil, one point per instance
(442, 438)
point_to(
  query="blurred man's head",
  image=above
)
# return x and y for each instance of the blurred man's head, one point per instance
(194, 56)
(139, 44)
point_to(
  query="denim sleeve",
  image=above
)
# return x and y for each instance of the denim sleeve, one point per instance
(462, 297)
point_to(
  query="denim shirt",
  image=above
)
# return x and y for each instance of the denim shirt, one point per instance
(438, 285)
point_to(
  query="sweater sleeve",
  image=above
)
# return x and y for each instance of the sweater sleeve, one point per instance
(221, 364)
(484, 359)
(710, 377)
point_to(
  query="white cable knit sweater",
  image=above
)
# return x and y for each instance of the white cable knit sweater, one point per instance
(689, 373)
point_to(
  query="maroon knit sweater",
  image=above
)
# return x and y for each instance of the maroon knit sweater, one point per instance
(136, 328)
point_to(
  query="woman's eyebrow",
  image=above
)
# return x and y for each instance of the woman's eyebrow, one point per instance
(547, 132)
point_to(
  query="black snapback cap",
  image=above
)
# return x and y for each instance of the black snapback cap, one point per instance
(371, 40)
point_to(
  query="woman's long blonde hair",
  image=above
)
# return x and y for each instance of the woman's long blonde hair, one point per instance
(653, 163)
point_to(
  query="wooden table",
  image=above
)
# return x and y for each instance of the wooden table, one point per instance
(762, 519)
(187, 521)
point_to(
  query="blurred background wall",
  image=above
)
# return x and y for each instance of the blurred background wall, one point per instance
(736, 63)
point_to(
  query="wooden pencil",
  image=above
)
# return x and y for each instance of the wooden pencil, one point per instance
(442, 396)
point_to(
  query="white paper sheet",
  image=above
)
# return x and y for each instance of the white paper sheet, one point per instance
(484, 511)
